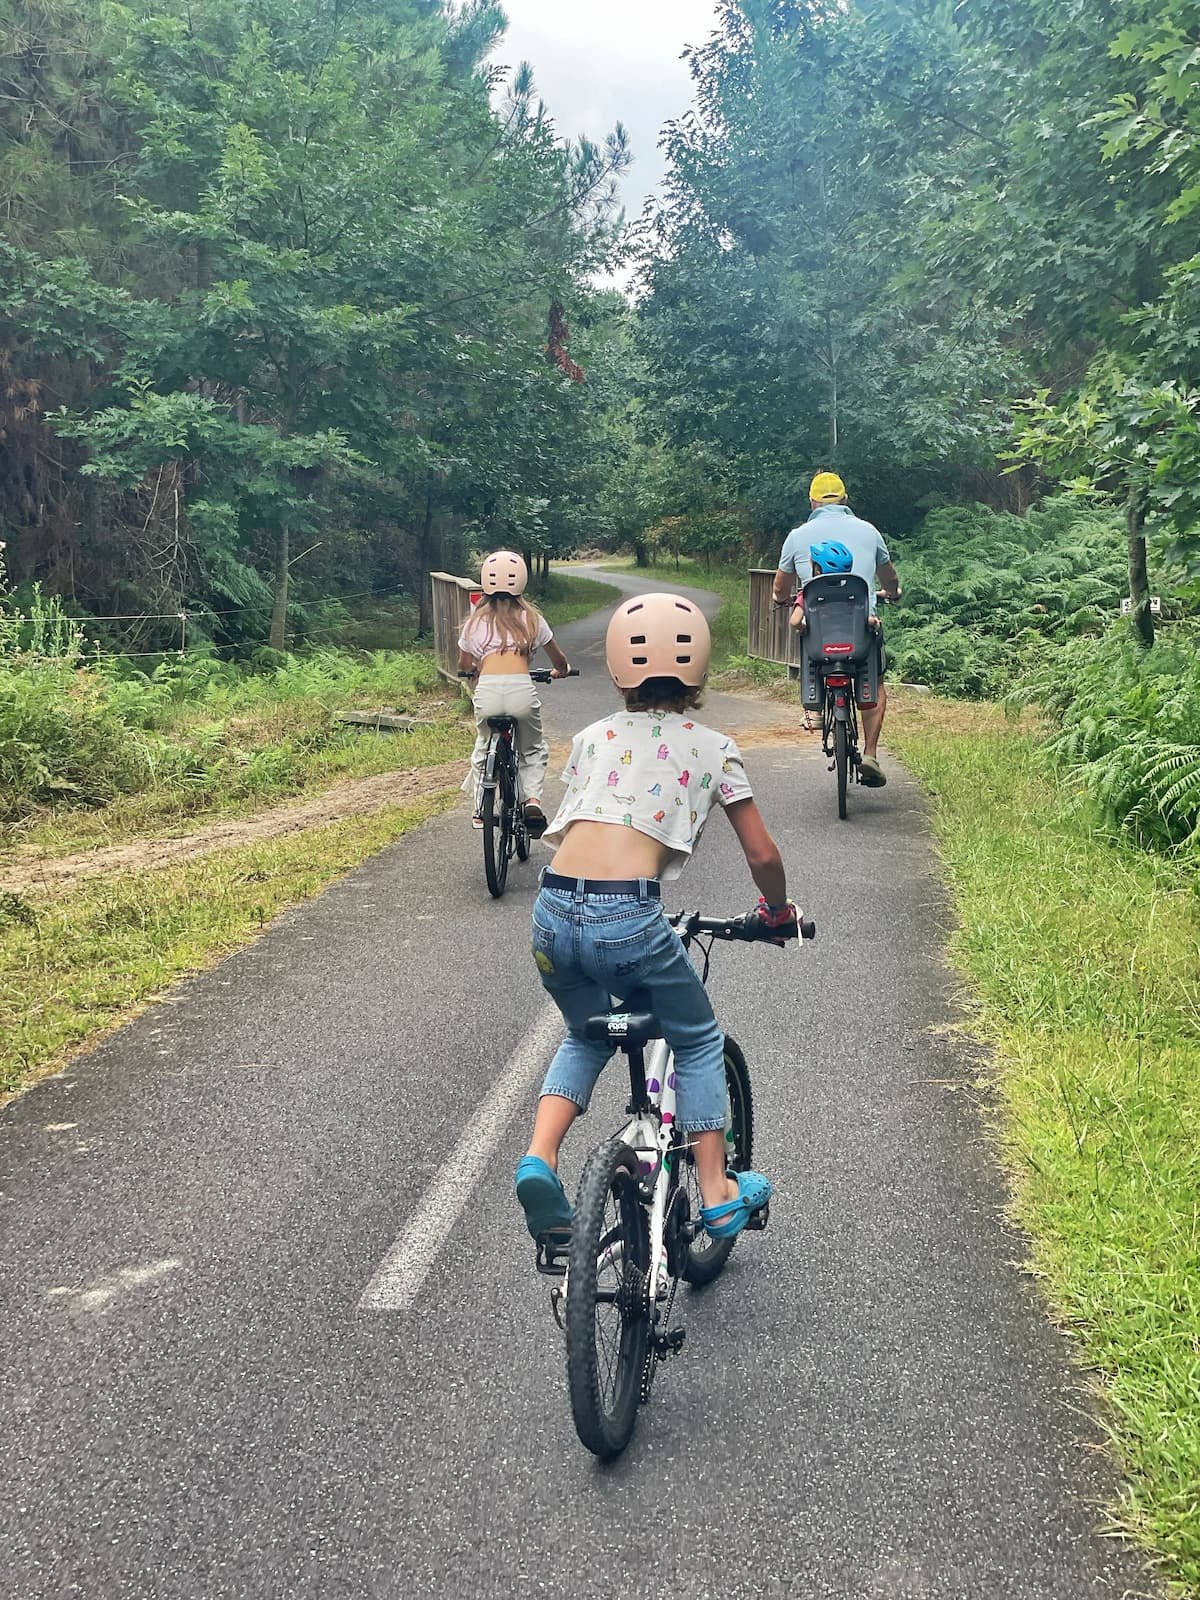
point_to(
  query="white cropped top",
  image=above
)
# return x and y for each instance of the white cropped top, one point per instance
(479, 637)
(656, 771)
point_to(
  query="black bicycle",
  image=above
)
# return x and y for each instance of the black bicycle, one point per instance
(505, 832)
(840, 667)
(636, 1230)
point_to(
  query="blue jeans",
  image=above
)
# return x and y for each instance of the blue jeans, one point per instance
(592, 947)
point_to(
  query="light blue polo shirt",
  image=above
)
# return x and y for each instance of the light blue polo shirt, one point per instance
(863, 540)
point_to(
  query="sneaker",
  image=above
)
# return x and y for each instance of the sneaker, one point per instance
(870, 774)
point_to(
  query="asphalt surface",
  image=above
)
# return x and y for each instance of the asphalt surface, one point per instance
(871, 1402)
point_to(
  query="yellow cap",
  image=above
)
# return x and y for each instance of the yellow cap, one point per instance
(827, 487)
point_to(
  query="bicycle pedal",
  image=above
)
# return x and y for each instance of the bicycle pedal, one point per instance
(669, 1343)
(759, 1219)
(552, 1249)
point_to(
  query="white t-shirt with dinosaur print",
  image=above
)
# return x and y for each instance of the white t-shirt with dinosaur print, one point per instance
(656, 771)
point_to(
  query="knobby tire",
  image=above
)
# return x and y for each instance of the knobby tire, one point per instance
(607, 1318)
(841, 759)
(497, 829)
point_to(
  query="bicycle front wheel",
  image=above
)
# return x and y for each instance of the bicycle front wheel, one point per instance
(497, 840)
(608, 1320)
(706, 1257)
(841, 760)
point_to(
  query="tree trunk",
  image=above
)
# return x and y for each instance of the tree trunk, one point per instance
(279, 609)
(1140, 619)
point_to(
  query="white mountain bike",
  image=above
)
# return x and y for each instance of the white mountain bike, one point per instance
(636, 1228)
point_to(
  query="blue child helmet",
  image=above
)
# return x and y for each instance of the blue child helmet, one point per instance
(832, 556)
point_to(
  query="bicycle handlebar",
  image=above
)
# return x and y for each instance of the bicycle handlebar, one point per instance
(538, 674)
(748, 929)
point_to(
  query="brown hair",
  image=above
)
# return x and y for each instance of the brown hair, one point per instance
(514, 621)
(664, 694)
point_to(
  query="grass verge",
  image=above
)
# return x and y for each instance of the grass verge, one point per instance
(264, 755)
(731, 625)
(1085, 956)
(74, 966)
(564, 597)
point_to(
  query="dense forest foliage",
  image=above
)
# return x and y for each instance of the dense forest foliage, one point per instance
(913, 240)
(300, 303)
(286, 293)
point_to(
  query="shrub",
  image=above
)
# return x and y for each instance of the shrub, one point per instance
(985, 591)
(1127, 724)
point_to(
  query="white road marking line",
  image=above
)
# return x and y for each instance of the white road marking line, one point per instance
(404, 1269)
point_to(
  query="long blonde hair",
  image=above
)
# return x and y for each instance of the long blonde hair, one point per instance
(513, 620)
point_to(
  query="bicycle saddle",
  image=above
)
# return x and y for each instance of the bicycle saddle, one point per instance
(623, 1028)
(502, 724)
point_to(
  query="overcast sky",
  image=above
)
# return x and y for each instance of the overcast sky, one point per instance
(597, 62)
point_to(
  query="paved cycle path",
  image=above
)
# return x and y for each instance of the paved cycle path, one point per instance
(196, 1403)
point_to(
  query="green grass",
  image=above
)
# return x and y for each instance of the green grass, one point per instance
(73, 966)
(565, 597)
(286, 755)
(1085, 956)
(731, 626)
(203, 739)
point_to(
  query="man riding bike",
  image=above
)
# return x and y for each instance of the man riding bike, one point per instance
(832, 528)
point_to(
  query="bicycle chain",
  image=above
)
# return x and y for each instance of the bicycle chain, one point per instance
(652, 1353)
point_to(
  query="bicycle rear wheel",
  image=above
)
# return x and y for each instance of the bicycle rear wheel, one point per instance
(608, 1322)
(706, 1257)
(841, 760)
(497, 837)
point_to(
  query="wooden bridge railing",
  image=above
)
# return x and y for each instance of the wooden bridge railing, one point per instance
(451, 608)
(771, 639)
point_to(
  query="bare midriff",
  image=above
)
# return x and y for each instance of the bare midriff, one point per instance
(506, 661)
(605, 850)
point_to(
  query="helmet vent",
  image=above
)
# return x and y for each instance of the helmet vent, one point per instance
(640, 661)
(683, 638)
(638, 638)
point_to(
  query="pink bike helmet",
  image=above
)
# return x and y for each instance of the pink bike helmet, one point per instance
(503, 572)
(658, 636)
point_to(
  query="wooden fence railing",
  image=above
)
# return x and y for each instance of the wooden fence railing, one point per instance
(451, 608)
(771, 639)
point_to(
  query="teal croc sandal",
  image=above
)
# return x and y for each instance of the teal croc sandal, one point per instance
(727, 1221)
(542, 1196)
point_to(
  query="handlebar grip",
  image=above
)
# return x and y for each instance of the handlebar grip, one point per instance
(808, 928)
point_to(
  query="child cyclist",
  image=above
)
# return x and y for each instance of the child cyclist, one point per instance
(495, 647)
(640, 784)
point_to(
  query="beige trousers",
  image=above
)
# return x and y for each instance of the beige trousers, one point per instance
(504, 694)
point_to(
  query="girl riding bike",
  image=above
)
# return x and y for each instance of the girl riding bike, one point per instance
(495, 647)
(640, 785)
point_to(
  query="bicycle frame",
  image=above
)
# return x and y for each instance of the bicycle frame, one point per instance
(654, 1141)
(495, 757)
(838, 705)
(651, 1135)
